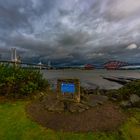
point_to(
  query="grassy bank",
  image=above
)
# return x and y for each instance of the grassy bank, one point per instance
(15, 125)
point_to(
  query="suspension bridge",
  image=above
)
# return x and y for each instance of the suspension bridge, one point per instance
(16, 61)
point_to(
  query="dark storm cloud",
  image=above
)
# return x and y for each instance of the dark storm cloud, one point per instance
(74, 38)
(71, 31)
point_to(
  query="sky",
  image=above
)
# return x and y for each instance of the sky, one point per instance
(70, 31)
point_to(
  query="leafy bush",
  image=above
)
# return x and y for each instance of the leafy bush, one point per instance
(124, 92)
(130, 88)
(17, 82)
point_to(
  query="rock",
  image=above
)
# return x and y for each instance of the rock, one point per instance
(98, 98)
(134, 99)
(73, 108)
(91, 91)
(55, 107)
(94, 100)
(103, 91)
(114, 99)
(42, 93)
(81, 110)
(92, 104)
(85, 103)
(47, 106)
(83, 106)
(100, 102)
(50, 109)
(77, 107)
(59, 106)
(125, 104)
(88, 86)
(115, 95)
(84, 98)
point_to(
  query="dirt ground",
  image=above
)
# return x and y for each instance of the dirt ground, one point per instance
(3, 99)
(106, 117)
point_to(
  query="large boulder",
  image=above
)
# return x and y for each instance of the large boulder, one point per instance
(125, 104)
(135, 100)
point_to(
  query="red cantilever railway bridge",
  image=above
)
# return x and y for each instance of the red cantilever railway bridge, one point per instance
(114, 65)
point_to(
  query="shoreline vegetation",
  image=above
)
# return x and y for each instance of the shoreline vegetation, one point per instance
(28, 86)
(16, 82)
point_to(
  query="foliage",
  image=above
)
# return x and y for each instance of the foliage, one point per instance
(131, 129)
(130, 88)
(18, 82)
(124, 92)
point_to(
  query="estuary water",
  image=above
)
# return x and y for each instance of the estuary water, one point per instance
(90, 78)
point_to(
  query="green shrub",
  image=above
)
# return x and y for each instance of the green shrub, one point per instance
(18, 82)
(124, 92)
(130, 88)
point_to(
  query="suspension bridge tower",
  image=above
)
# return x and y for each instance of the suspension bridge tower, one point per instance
(14, 58)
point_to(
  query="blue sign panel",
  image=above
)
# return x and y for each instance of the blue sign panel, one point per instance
(67, 88)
